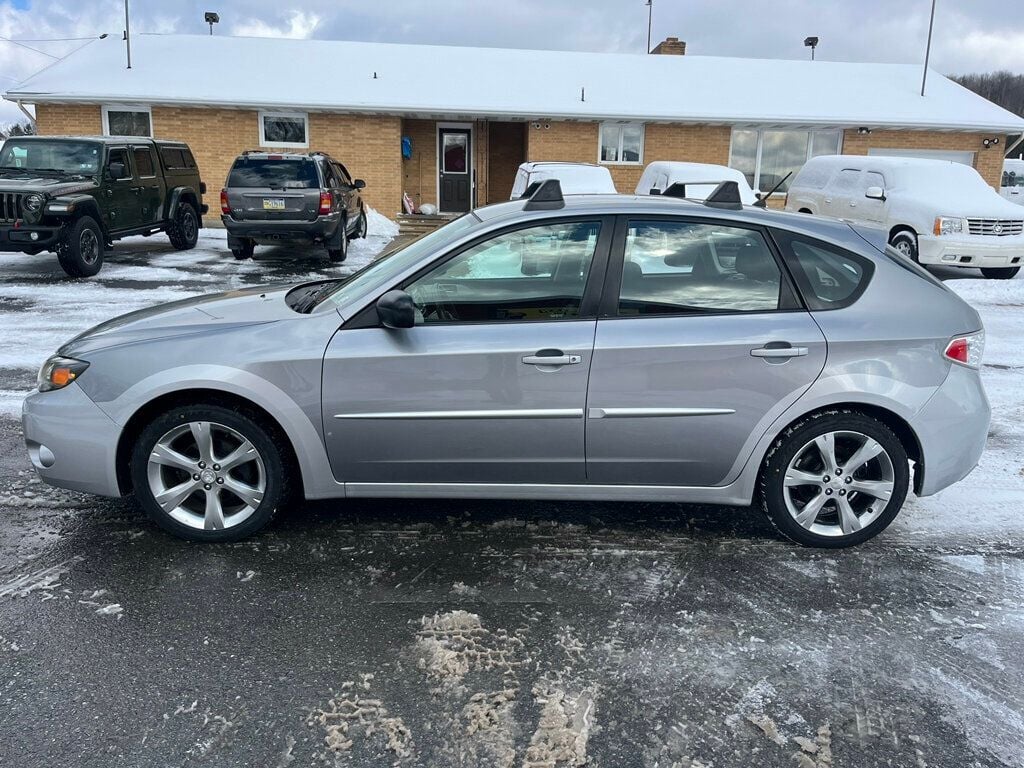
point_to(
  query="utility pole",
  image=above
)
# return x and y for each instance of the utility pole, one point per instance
(928, 49)
(650, 14)
(127, 35)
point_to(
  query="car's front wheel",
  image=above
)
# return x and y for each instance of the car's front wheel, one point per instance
(361, 227)
(835, 479)
(338, 255)
(209, 473)
(1000, 273)
(80, 250)
(906, 243)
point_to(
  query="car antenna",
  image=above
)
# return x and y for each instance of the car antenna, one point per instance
(544, 196)
(763, 201)
(725, 195)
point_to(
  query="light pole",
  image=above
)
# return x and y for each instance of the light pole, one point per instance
(650, 14)
(211, 19)
(127, 35)
(928, 48)
(812, 43)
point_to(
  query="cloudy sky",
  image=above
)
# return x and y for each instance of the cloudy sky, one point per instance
(971, 36)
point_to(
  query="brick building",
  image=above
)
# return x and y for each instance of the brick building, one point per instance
(449, 125)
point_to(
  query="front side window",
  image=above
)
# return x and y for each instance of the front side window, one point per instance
(531, 274)
(127, 121)
(284, 129)
(765, 156)
(676, 267)
(117, 165)
(621, 143)
(829, 277)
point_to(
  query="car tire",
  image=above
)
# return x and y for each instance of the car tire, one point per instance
(813, 497)
(183, 230)
(245, 250)
(338, 255)
(80, 250)
(167, 455)
(361, 227)
(1000, 273)
(905, 242)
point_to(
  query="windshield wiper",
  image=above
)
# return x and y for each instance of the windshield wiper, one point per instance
(314, 293)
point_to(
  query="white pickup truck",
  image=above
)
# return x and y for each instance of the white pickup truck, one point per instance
(935, 211)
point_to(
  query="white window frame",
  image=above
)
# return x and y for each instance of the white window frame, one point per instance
(620, 124)
(267, 113)
(108, 108)
(760, 145)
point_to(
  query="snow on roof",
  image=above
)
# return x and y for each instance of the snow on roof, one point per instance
(424, 80)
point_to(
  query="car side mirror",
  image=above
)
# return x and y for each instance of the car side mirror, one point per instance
(654, 191)
(875, 193)
(359, 184)
(116, 171)
(396, 310)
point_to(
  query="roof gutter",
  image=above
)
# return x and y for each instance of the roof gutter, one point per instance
(843, 121)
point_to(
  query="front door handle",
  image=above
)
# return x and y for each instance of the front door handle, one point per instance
(828, 200)
(778, 350)
(552, 357)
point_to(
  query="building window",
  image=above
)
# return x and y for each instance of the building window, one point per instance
(765, 155)
(621, 143)
(127, 121)
(284, 129)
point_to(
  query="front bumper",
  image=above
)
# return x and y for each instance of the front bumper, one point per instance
(20, 238)
(971, 251)
(71, 442)
(952, 428)
(271, 231)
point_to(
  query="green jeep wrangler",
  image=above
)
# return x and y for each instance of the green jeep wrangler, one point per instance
(77, 195)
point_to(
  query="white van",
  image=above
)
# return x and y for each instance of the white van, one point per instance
(935, 211)
(575, 178)
(698, 179)
(1013, 181)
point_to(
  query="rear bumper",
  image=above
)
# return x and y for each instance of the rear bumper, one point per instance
(977, 251)
(952, 428)
(71, 442)
(21, 238)
(262, 231)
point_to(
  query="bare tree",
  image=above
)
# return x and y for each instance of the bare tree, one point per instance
(17, 129)
(1003, 88)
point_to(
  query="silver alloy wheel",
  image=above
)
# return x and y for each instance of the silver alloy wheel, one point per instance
(89, 246)
(838, 483)
(206, 475)
(904, 246)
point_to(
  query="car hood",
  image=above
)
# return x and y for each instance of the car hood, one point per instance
(216, 311)
(50, 185)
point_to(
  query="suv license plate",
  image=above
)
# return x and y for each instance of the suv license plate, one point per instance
(273, 203)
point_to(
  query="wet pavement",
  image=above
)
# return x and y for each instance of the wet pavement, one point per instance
(374, 633)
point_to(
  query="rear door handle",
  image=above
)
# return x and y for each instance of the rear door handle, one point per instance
(552, 357)
(828, 200)
(779, 351)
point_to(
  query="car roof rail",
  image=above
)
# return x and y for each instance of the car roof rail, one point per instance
(544, 195)
(725, 195)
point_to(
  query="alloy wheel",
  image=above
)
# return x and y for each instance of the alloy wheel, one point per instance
(206, 475)
(838, 483)
(188, 225)
(89, 246)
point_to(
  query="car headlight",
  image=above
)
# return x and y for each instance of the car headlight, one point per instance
(58, 372)
(948, 225)
(32, 206)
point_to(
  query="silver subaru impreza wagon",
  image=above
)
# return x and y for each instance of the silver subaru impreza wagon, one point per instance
(597, 347)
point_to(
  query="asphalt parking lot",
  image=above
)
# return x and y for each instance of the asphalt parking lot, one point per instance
(482, 633)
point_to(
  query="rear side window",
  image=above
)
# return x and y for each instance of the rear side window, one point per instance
(282, 173)
(173, 157)
(828, 277)
(144, 162)
(813, 176)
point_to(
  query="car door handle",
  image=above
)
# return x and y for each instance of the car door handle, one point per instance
(828, 199)
(557, 359)
(853, 205)
(779, 351)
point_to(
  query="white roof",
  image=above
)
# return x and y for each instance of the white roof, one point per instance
(691, 174)
(205, 70)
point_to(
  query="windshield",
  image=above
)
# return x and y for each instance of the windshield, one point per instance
(73, 157)
(395, 261)
(298, 173)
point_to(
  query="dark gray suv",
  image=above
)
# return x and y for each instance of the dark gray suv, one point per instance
(290, 197)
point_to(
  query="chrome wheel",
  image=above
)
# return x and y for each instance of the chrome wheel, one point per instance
(838, 483)
(89, 246)
(904, 247)
(206, 475)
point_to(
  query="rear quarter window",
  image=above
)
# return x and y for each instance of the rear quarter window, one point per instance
(829, 277)
(813, 176)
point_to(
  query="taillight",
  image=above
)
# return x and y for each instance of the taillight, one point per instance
(326, 203)
(225, 207)
(966, 350)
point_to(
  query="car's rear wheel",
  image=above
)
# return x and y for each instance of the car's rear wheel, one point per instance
(183, 231)
(80, 250)
(338, 255)
(1000, 273)
(835, 479)
(208, 473)
(244, 249)
(906, 243)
